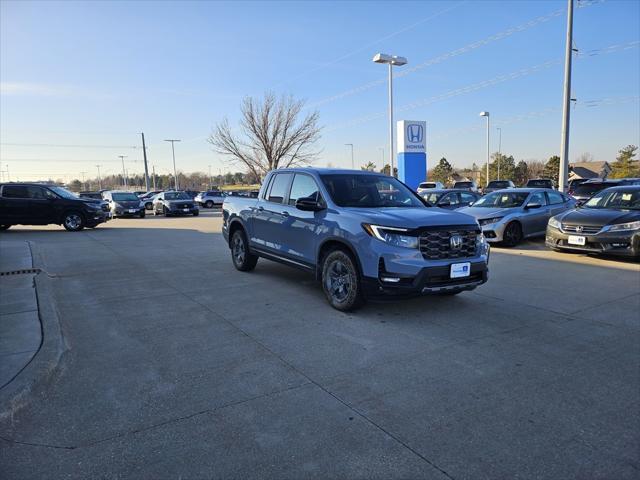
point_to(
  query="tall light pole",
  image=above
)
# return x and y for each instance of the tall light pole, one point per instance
(84, 186)
(499, 149)
(99, 178)
(173, 152)
(146, 168)
(153, 167)
(566, 103)
(486, 115)
(124, 173)
(210, 179)
(390, 60)
(351, 145)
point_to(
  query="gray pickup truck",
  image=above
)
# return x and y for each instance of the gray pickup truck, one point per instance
(364, 235)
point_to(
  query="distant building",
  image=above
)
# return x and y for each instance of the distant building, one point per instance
(587, 170)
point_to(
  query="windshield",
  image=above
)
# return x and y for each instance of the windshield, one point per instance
(590, 188)
(427, 185)
(369, 191)
(125, 197)
(498, 184)
(615, 199)
(502, 200)
(538, 183)
(64, 193)
(464, 184)
(176, 196)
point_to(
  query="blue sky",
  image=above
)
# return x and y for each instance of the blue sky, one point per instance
(97, 73)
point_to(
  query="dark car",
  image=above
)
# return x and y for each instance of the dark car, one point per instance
(540, 183)
(174, 203)
(40, 204)
(588, 189)
(629, 181)
(94, 195)
(609, 222)
(466, 185)
(449, 198)
(573, 184)
(498, 185)
(124, 204)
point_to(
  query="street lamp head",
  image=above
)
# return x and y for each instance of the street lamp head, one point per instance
(484, 114)
(392, 59)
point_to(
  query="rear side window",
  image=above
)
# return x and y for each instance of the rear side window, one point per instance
(538, 198)
(15, 191)
(467, 197)
(278, 189)
(303, 186)
(555, 198)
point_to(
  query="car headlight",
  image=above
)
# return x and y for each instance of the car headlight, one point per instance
(482, 245)
(554, 223)
(623, 227)
(392, 235)
(489, 221)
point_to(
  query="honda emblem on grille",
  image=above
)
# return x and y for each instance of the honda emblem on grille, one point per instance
(455, 241)
(579, 229)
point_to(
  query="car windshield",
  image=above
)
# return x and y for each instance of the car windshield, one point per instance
(464, 184)
(428, 185)
(616, 200)
(538, 183)
(369, 191)
(432, 197)
(590, 188)
(176, 196)
(498, 184)
(64, 193)
(502, 200)
(125, 197)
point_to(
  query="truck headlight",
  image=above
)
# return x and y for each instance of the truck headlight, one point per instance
(392, 235)
(623, 227)
(554, 223)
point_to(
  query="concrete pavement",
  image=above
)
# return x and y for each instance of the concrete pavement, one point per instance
(179, 366)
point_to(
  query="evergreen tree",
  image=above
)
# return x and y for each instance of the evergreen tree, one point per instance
(625, 164)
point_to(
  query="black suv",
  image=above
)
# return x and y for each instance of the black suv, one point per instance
(40, 204)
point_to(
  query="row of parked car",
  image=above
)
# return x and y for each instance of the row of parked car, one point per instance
(598, 216)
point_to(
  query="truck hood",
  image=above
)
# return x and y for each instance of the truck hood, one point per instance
(411, 217)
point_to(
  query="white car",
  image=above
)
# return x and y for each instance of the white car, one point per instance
(424, 186)
(210, 198)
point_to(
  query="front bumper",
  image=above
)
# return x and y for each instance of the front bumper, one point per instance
(93, 218)
(493, 232)
(625, 244)
(413, 275)
(181, 211)
(127, 212)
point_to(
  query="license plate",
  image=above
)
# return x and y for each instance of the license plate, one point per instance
(576, 240)
(132, 210)
(459, 270)
(186, 209)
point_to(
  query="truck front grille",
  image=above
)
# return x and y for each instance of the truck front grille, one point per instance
(437, 244)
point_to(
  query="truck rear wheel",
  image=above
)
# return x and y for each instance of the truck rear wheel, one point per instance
(242, 259)
(341, 281)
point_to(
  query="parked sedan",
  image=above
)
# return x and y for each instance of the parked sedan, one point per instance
(450, 199)
(609, 222)
(124, 204)
(147, 198)
(210, 198)
(509, 216)
(174, 203)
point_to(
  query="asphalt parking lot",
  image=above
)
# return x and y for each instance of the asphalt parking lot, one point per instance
(178, 366)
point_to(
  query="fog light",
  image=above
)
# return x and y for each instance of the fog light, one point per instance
(390, 279)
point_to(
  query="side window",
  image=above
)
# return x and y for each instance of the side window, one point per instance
(278, 188)
(36, 193)
(303, 186)
(15, 191)
(555, 198)
(467, 197)
(538, 198)
(451, 199)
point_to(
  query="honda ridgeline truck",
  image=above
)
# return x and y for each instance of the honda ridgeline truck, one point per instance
(364, 235)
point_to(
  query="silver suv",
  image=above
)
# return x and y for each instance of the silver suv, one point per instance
(210, 198)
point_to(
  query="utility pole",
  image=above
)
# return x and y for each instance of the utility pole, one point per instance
(173, 152)
(124, 172)
(146, 169)
(84, 185)
(154, 177)
(210, 179)
(499, 149)
(566, 103)
(99, 179)
(486, 115)
(351, 145)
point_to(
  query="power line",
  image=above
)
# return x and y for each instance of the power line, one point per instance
(66, 146)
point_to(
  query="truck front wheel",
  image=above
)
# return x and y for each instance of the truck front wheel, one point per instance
(242, 259)
(341, 281)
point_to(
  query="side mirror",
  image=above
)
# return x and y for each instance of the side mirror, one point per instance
(533, 205)
(308, 204)
(471, 204)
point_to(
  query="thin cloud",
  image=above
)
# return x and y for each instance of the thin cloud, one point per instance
(47, 90)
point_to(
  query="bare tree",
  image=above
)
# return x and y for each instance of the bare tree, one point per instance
(272, 134)
(585, 158)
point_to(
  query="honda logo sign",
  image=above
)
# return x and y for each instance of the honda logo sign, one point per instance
(411, 136)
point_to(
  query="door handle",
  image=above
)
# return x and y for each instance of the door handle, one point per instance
(261, 209)
(285, 214)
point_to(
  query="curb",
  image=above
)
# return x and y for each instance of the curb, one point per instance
(41, 367)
